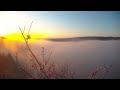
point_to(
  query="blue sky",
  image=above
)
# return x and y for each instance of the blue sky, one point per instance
(74, 23)
(84, 22)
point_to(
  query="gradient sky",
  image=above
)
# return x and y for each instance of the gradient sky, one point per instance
(63, 23)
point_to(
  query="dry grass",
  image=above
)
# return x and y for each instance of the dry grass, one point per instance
(9, 69)
(100, 72)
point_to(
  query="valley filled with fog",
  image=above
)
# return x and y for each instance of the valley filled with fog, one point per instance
(84, 56)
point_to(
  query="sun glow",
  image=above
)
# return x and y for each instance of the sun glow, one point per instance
(10, 21)
(20, 38)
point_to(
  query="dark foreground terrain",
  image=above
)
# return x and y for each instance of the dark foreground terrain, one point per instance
(9, 69)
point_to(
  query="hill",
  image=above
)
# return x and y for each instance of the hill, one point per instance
(82, 38)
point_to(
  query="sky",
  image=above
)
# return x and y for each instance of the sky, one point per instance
(61, 23)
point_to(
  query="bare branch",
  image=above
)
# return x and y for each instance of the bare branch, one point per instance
(30, 27)
(40, 65)
(24, 29)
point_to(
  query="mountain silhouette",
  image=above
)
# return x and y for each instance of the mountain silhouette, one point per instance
(81, 38)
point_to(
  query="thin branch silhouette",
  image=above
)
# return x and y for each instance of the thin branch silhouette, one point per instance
(26, 41)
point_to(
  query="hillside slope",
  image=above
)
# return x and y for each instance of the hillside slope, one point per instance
(9, 69)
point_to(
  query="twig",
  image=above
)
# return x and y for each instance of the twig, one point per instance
(40, 65)
(30, 27)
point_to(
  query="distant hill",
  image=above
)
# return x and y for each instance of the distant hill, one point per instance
(82, 38)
